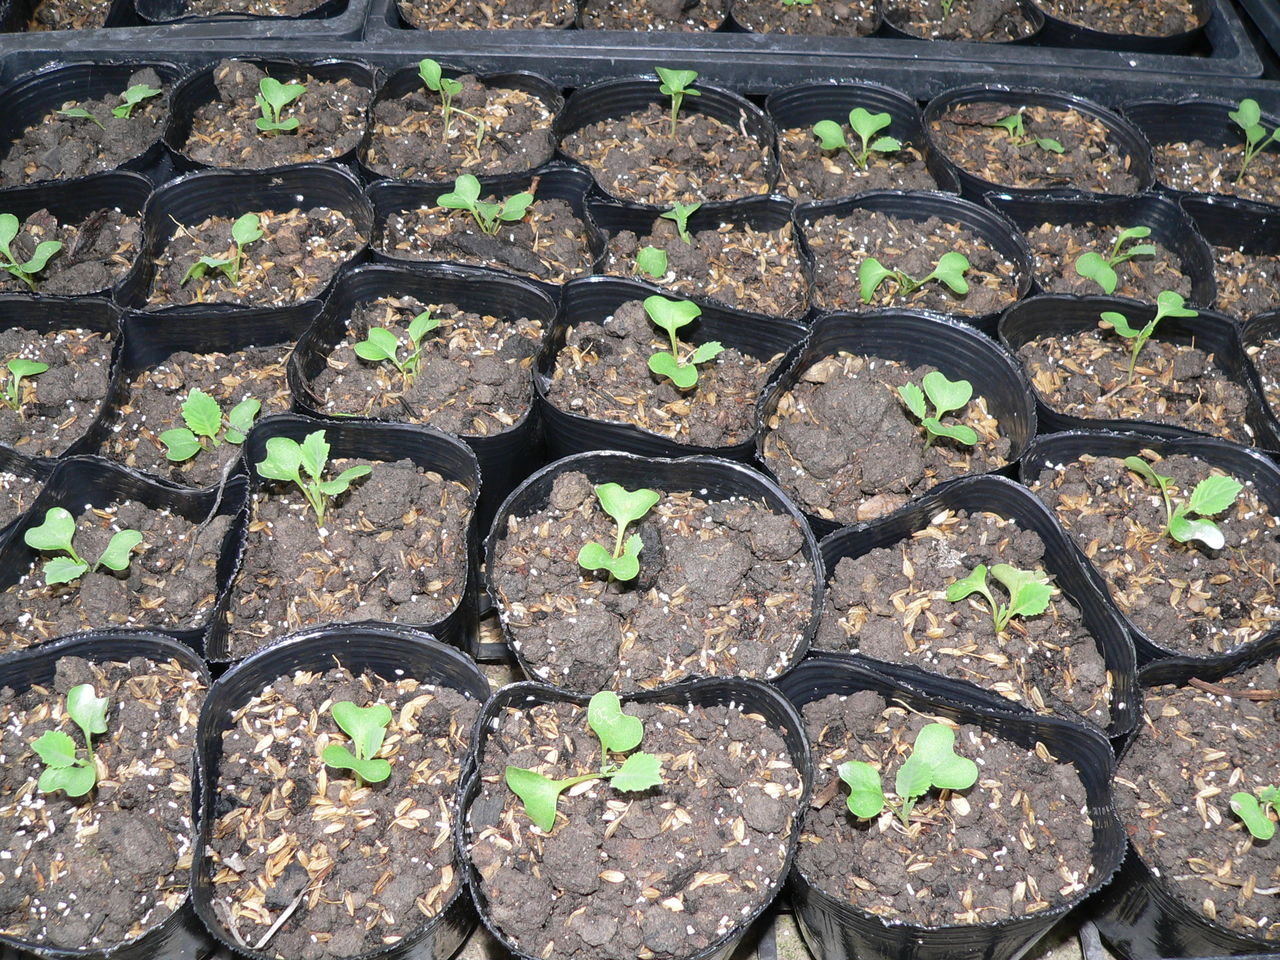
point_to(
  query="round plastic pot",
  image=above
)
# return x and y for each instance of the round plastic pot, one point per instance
(1252, 228)
(1054, 315)
(986, 224)
(619, 98)
(711, 478)
(180, 936)
(230, 193)
(1063, 33)
(991, 494)
(750, 695)
(15, 15)
(26, 468)
(390, 652)
(911, 338)
(556, 181)
(387, 442)
(1256, 331)
(805, 105)
(1169, 224)
(596, 299)
(504, 457)
(762, 214)
(1247, 466)
(1029, 11)
(833, 929)
(199, 89)
(1127, 138)
(175, 11)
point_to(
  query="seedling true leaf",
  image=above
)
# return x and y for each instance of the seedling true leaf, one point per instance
(205, 428)
(950, 270)
(866, 125)
(932, 763)
(1248, 116)
(381, 345)
(671, 315)
(680, 213)
(64, 768)
(1254, 810)
(19, 367)
(675, 84)
(1029, 592)
(1019, 137)
(133, 96)
(866, 797)
(1102, 270)
(945, 395)
(273, 96)
(288, 461)
(40, 257)
(1168, 304)
(1189, 520)
(652, 261)
(489, 217)
(57, 533)
(246, 230)
(625, 507)
(367, 728)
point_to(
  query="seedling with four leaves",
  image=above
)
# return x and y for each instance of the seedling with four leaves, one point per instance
(56, 534)
(288, 460)
(626, 507)
(945, 395)
(680, 214)
(40, 257)
(933, 763)
(866, 125)
(1102, 270)
(950, 270)
(246, 230)
(1248, 116)
(618, 732)
(1168, 304)
(19, 367)
(433, 79)
(206, 427)
(675, 84)
(64, 768)
(367, 728)
(1211, 496)
(1252, 809)
(1029, 592)
(382, 345)
(671, 315)
(1019, 137)
(273, 96)
(489, 217)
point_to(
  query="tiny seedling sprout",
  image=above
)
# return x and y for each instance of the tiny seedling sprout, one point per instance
(946, 7)
(671, 315)
(626, 507)
(945, 395)
(1254, 810)
(64, 769)
(1248, 116)
(273, 96)
(680, 214)
(933, 763)
(44, 252)
(1211, 496)
(80, 113)
(1029, 592)
(19, 367)
(367, 728)
(796, 3)
(133, 96)
(866, 125)
(382, 345)
(652, 261)
(618, 732)
(56, 534)
(205, 422)
(1019, 137)
(675, 84)
(1102, 270)
(244, 231)
(950, 270)
(1168, 304)
(287, 460)
(433, 78)
(489, 217)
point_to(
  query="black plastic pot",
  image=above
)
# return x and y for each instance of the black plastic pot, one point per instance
(1128, 140)
(1054, 315)
(180, 936)
(390, 652)
(833, 929)
(913, 338)
(1247, 466)
(1258, 330)
(1027, 8)
(175, 11)
(199, 89)
(752, 696)
(596, 299)
(1252, 228)
(25, 469)
(505, 457)
(709, 477)
(1169, 224)
(428, 449)
(987, 225)
(1064, 33)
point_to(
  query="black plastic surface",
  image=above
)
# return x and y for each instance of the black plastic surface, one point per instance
(1265, 327)
(175, 11)
(1065, 33)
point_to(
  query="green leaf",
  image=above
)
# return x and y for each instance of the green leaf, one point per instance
(430, 72)
(63, 570)
(1012, 123)
(684, 376)
(284, 126)
(1120, 323)
(671, 315)
(372, 770)
(132, 97)
(1250, 811)
(626, 566)
(1144, 470)
(201, 266)
(9, 227)
(617, 731)
(1248, 114)
(913, 397)
(466, 191)
(80, 113)
(951, 269)
(593, 556)
(538, 794)
(1269, 794)
(55, 749)
(180, 444)
(450, 87)
(55, 533)
(283, 460)
(652, 261)
(975, 582)
(44, 252)
(1184, 530)
(240, 419)
(1170, 304)
(340, 483)
(1029, 590)
(515, 207)
(280, 95)
(22, 367)
(866, 798)
(946, 395)
(1049, 145)
(830, 135)
(707, 351)
(246, 229)
(381, 344)
(87, 709)
(366, 726)
(1093, 266)
(885, 145)
(1214, 494)
(202, 414)
(640, 771)
(914, 778)
(675, 81)
(871, 273)
(867, 124)
(953, 431)
(623, 505)
(421, 325)
(314, 453)
(116, 556)
(680, 213)
(76, 780)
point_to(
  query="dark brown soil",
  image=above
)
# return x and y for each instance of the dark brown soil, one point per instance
(295, 259)
(171, 583)
(840, 244)
(650, 15)
(97, 251)
(407, 138)
(473, 380)
(1200, 744)
(1161, 19)
(95, 872)
(602, 373)
(1246, 284)
(58, 147)
(367, 864)
(1267, 359)
(549, 244)
(890, 604)
(1209, 168)
(1085, 375)
(1181, 595)
(1015, 843)
(477, 15)
(818, 18)
(811, 173)
(844, 446)
(635, 158)
(1091, 160)
(69, 15)
(992, 21)
(17, 493)
(155, 399)
(663, 873)
(224, 132)
(257, 8)
(393, 548)
(1056, 247)
(58, 405)
(757, 270)
(723, 590)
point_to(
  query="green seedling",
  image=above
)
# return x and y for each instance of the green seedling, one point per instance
(1255, 809)
(1029, 592)
(652, 261)
(680, 214)
(44, 252)
(132, 97)
(675, 84)
(797, 3)
(946, 7)
(671, 315)
(933, 763)
(367, 728)
(206, 427)
(1168, 304)
(56, 534)
(244, 231)
(489, 217)
(19, 367)
(945, 395)
(287, 460)
(273, 96)
(80, 113)
(433, 79)
(382, 345)
(950, 270)
(1248, 116)
(618, 733)
(866, 125)
(1019, 137)
(1102, 270)
(64, 768)
(626, 507)
(1211, 496)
